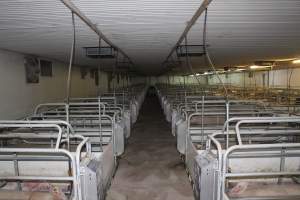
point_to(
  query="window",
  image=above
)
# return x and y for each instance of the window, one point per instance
(46, 68)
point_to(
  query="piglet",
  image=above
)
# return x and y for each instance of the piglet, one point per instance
(238, 189)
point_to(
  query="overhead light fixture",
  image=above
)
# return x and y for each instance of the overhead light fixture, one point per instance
(254, 67)
(100, 52)
(285, 60)
(240, 69)
(297, 61)
(259, 67)
(264, 63)
(189, 50)
(197, 74)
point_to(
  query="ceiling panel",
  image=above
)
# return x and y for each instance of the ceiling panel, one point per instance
(239, 31)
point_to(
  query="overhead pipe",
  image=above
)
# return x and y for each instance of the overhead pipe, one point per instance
(89, 23)
(190, 24)
(203, 8)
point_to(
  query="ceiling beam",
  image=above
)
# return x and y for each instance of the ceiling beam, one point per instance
(93, 26)
(189, 25)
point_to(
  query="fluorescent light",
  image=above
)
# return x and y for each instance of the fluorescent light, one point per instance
(197, 74)
(239, 70)
(259, 67)
(296, 61)
(254, 67)
(285, 60)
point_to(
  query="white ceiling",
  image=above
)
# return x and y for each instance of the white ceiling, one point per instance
(239, 31)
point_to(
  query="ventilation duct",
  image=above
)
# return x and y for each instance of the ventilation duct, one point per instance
(100, 52)
(190, 50)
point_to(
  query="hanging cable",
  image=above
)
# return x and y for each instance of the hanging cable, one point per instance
(116, 62)
(99, 66)
(72, 58)
(69, 79)
(99, 96)
(290, 78)
(208, 56)
(204, 31)
(189, 63)
(69, 4)
(289, 89)
(114, 70)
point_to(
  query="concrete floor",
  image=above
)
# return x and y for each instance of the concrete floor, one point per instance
(151, 168)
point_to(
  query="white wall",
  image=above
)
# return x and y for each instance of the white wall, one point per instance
(173, 80)
(274, 78)
(19, 98)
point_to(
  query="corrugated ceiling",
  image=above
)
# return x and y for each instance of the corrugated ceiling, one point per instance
(239, 31)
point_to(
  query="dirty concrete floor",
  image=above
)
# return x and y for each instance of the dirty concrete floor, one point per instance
(151, 168)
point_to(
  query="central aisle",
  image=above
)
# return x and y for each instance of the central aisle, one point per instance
(151, 168)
